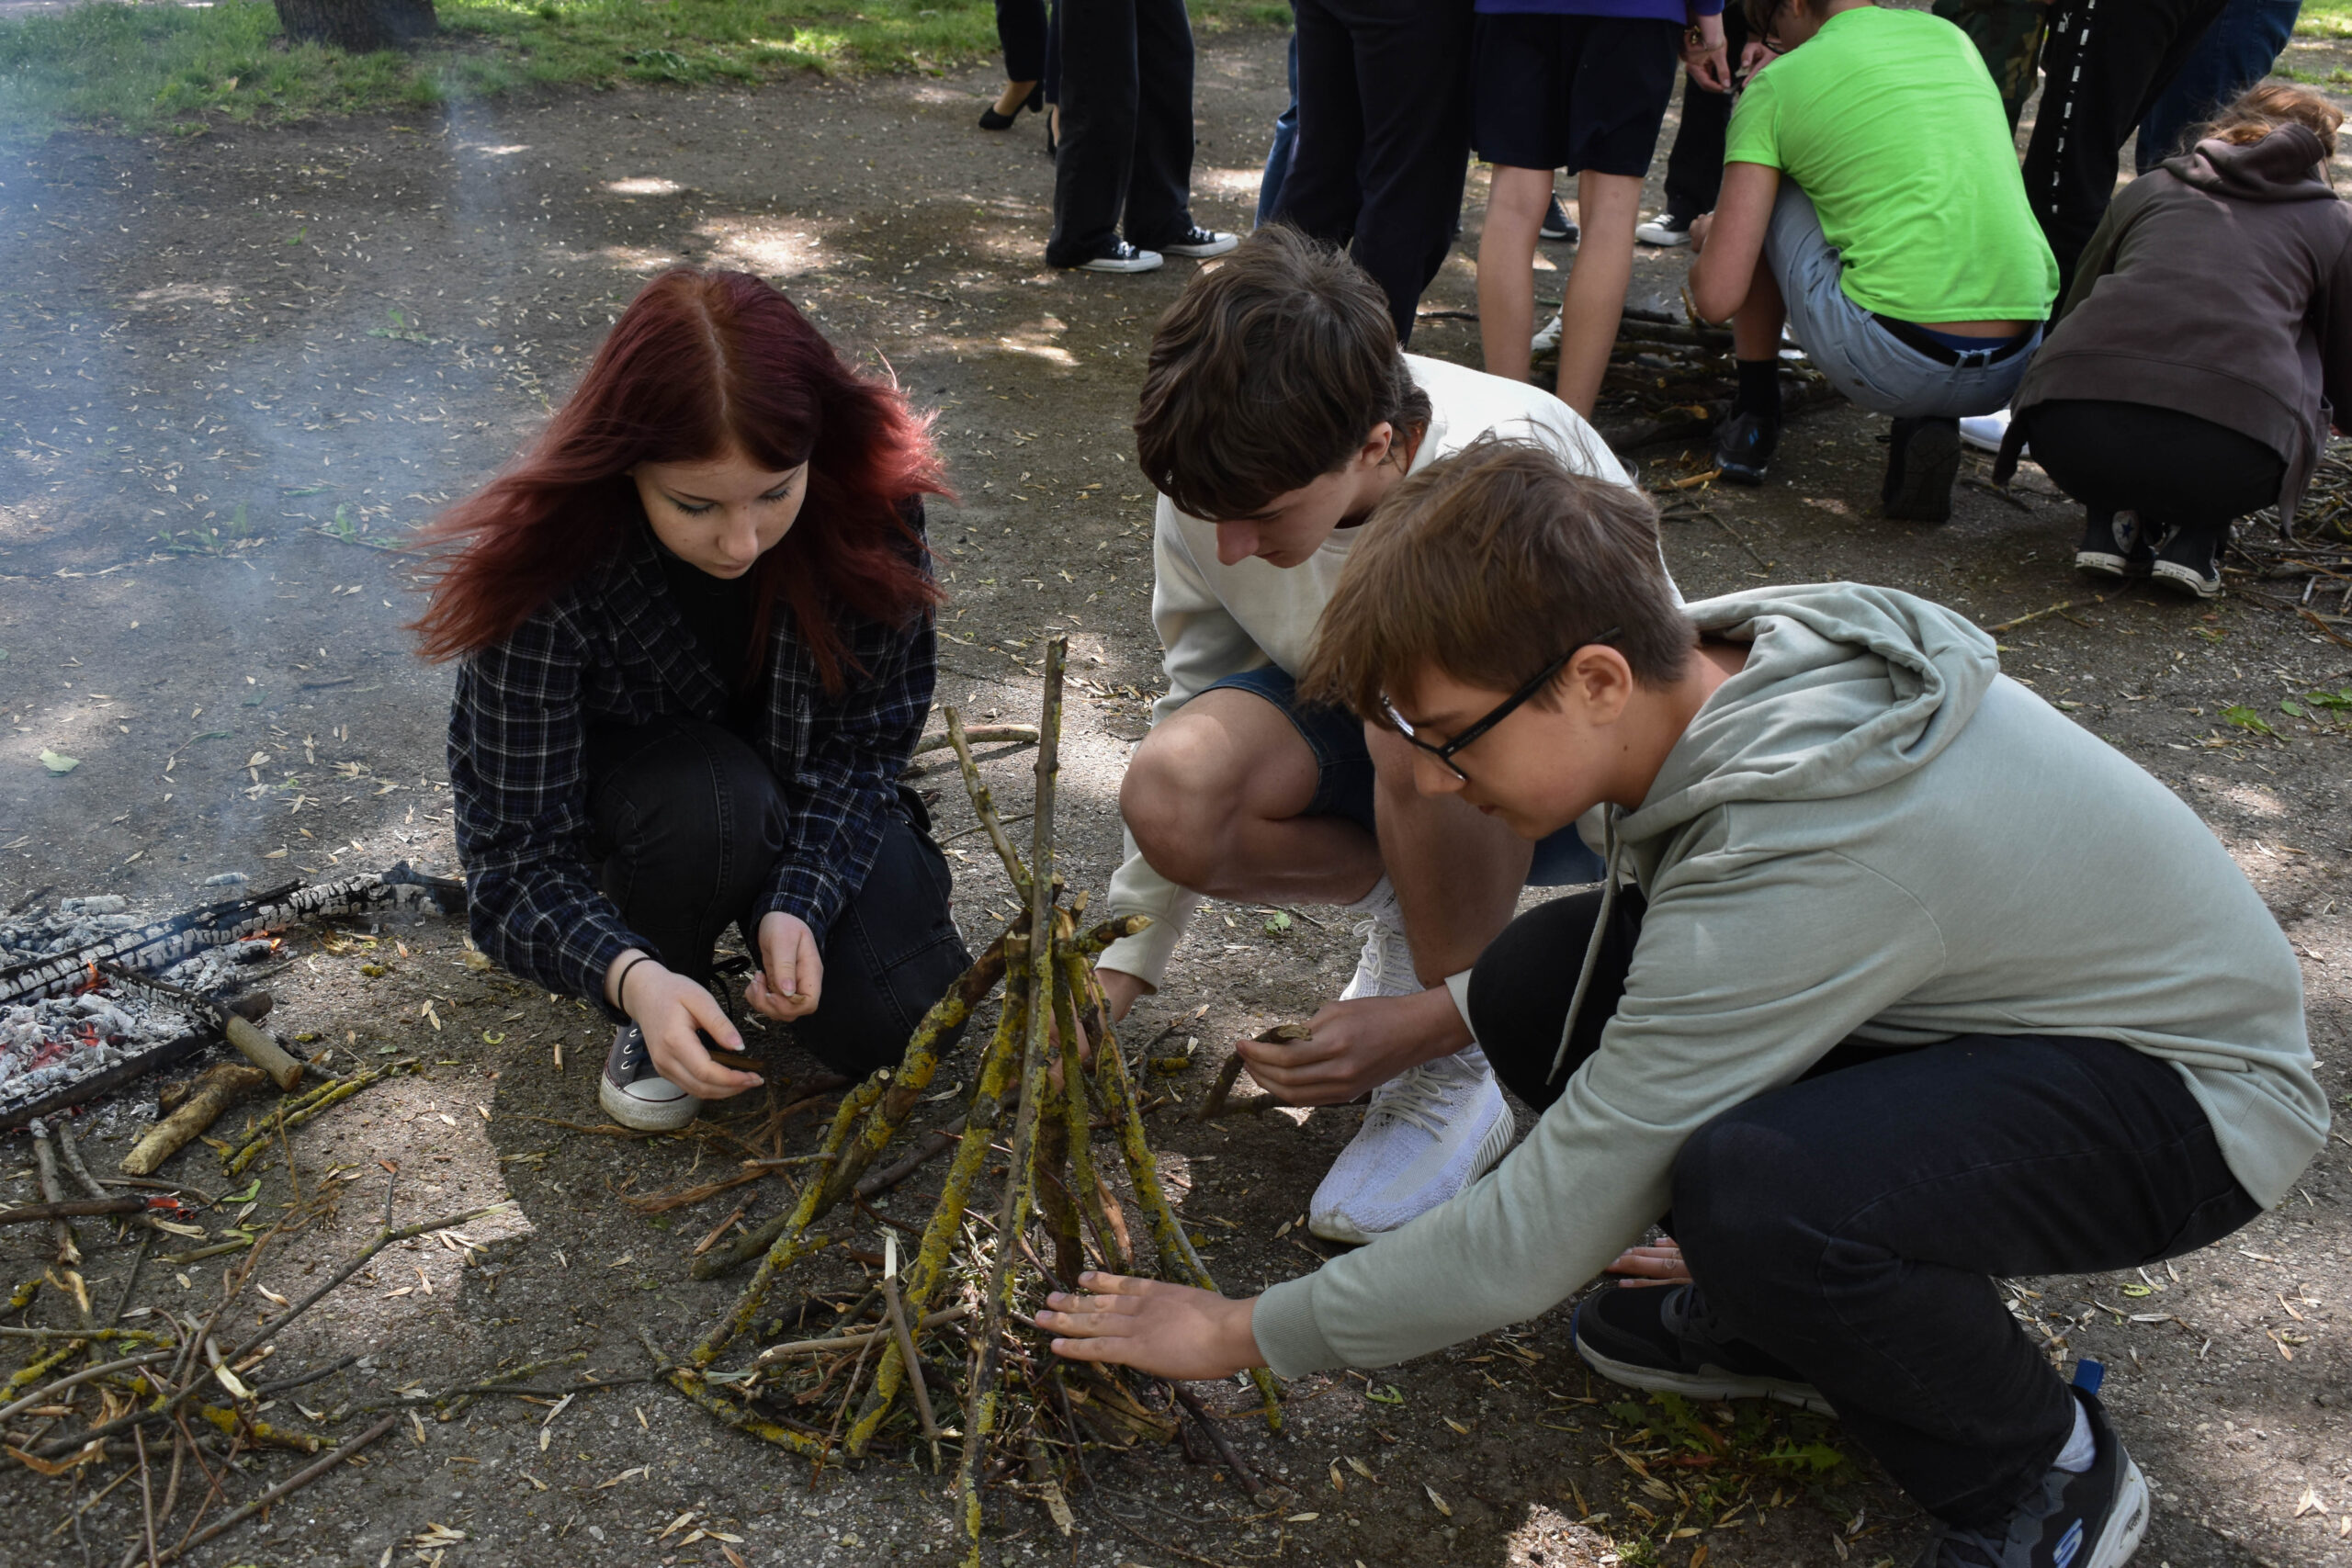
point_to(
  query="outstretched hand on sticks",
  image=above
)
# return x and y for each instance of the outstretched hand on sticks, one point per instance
(1171, 1331)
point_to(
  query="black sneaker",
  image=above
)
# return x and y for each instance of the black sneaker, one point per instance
(1662, 1340)
(1669, 228)
(1197, 242)
(2114, 545)
(1922, 461)
(2091, 1520)
(1557, 225)
(635, 1095)
(2189, 564)
(1116, 256)
(1743, 445)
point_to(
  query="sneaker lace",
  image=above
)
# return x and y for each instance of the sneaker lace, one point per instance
(1958, 1547)
(1391, 955)
(1417, 1099)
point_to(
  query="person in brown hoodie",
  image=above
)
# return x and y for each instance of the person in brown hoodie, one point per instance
(2194, 370)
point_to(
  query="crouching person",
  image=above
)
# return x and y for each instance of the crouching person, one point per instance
(1871, 201)
(694, 620)
(1860, 1012)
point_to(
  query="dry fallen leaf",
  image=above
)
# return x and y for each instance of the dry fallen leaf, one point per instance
(1435, 1500)
(1364, 1470)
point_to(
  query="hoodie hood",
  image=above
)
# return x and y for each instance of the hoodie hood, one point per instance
(1846, 688)
(2283, 166)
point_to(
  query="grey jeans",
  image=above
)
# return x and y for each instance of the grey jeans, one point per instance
(1864, 361)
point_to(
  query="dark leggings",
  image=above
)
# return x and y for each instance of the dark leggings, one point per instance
(1853, 1222)
(690, 824)
(2172, 469)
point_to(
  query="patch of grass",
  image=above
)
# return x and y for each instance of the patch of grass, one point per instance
(142, 68)
(2324, 18)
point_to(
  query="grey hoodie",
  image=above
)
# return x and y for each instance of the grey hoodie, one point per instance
(1869, 832)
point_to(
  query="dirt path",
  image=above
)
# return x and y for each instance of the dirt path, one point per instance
(238, 362)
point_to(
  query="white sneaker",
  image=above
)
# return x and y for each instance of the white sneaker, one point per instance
(1546, 339)
(1985, 430)
(1666, 229)
(1431, 1133)
(637, 1096)
(1385, 967)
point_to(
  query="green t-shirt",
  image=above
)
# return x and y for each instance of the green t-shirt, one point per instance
(1889, 121)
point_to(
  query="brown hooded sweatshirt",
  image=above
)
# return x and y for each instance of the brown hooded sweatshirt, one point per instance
(2219, 285)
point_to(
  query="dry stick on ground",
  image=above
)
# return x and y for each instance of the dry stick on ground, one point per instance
(300, 1479)
(2057, 609)
(70, 1208)
(1217, 1439)
(53, 1191)
(146, 1494)
(221, 1086)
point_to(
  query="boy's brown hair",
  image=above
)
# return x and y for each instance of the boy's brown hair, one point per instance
(1269, 372)
(1486, 566)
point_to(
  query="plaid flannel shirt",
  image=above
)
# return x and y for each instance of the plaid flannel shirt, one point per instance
(615, 648)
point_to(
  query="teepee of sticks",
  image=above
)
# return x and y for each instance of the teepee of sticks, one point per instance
(1031, 1068)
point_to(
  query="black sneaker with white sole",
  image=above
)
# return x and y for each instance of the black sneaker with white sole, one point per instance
(637, 1096)
(1662, 1340)
(1922, 462)
(1117, 256)
(1744, 445)
(2189, 564)
(2091, 1520)
(2114, 545)
(1557, 225)
(1198, 242)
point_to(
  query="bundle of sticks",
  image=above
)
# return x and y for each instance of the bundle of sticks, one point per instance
(1037, 1069)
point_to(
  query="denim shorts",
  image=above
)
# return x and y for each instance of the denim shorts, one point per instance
(1865, 362)
(1343, 784)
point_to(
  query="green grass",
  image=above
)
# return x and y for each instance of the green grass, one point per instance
(145, 68)
(2324, 18)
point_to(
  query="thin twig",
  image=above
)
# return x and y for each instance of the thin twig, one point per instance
(1222, 1444)
(300, 1479)
(2061, 606)
(146, 1494)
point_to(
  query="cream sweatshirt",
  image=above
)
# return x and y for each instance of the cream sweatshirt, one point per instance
(1218, 620)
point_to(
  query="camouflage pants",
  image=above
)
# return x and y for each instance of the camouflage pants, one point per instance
(2008, 34)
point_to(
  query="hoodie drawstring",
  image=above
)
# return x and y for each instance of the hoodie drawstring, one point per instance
(1592, 947)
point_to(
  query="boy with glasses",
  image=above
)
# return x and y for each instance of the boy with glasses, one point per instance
(1277, 411)
(1913, 983)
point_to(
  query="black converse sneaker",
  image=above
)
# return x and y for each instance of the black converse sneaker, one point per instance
(1662, 1340)
(2189, 564)
(2115, 544)
(2091, 1520)
(1199, 242)
(637, 1096)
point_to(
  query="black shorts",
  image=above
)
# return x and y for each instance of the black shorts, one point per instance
(1551, 92)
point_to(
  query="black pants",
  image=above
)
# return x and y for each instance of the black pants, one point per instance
(690, 823)
(1126, 137)
(2105, 63)
(1854, 1222)
(2172, 469)
(1020, 33)
(1694, 169)
(1384, 137)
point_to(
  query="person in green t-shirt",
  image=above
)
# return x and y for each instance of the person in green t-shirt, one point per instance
(1871, 201)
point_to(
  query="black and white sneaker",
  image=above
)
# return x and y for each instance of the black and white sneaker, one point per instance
(1198, 242)
(1556, 224)
(1662, 1340)
(2189, 564)
(1666, 229)
(2091, 1520)
(1744, 445)
(637, 1096)
(2114, 545)
(1922, 462)
(1121, 257)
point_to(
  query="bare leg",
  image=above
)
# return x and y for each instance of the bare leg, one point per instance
(1515, 204)
(1608, 205)
(1212, 798)
(1755, 328)
(1457, 873)
(1016, 94)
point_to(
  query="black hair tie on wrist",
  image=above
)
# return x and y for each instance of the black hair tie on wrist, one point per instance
(620, 986)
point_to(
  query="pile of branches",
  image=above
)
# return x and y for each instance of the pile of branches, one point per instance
(2307, 572)
(951, 1325)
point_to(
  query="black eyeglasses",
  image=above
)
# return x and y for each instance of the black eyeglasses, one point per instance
(1495, 716)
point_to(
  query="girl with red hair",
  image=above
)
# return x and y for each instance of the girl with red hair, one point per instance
(693, 622)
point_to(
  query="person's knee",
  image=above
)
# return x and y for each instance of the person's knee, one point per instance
(1179, 798)
(1737, 1212)
(700, 797)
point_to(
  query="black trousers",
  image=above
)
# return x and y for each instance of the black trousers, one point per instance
(1694, 169)
(1020, 33)
(690, 823)
(1126, 139)
(2105, 63)
(1853, 1224)
(2172, 469)
(1384, 137)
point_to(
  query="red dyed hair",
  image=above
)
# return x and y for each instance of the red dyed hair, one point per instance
(701, 362)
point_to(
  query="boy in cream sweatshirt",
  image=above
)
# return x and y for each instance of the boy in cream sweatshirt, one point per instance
(1277, 413)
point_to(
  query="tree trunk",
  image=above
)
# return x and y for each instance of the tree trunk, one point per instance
(359, 27)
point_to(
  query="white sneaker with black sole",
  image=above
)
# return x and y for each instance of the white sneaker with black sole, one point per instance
(1666, 228)
(1199, 244)
(1431, 1131)
(637, 1096)
(1124, 257)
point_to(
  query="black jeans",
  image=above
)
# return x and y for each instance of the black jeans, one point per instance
(1694, 169)
(1125, 71)
(2172, 469)
(690, 823)
(2105, 65)
(1384, 137)
(1853, 1224)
